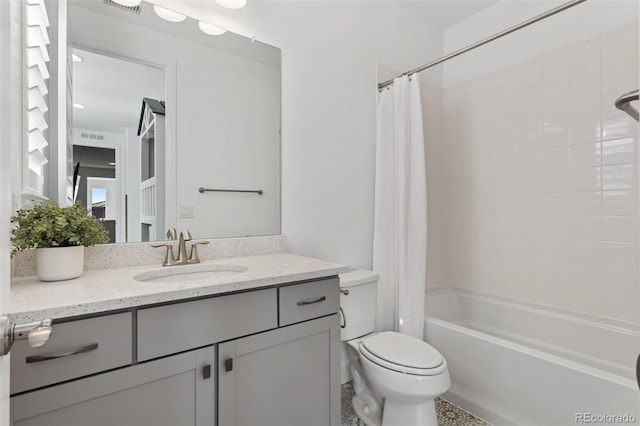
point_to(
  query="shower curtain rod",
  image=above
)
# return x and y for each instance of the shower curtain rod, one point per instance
(521, 25)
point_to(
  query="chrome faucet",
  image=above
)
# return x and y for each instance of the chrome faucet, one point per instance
(183, 258)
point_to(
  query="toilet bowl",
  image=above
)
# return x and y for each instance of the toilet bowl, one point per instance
(396, 377)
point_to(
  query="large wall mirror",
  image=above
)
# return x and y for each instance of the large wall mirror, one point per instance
(164, 114)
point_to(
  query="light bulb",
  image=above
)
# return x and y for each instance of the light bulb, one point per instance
(128, 3)
(210, 29)
(232, 4)
(168, 15)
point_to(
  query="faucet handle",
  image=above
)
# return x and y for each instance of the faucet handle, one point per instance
(193, 255)
(168, 256)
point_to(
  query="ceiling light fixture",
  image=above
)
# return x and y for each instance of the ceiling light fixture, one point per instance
(76, 58)
(210, 28)
(168, 15)
(79, 106)
(128, 3)
(232, 4)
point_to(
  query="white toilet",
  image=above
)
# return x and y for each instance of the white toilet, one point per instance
(396, 377)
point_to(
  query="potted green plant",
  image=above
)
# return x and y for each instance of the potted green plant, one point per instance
(59, 235)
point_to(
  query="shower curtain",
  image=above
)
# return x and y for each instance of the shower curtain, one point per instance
(400, 221)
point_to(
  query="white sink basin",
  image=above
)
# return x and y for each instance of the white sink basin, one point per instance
(189, 273)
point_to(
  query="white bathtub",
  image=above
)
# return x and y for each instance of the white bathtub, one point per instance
(518, 363)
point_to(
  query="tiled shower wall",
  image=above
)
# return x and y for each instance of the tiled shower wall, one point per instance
(538, 179)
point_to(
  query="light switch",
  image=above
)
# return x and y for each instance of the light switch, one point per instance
(186, 212)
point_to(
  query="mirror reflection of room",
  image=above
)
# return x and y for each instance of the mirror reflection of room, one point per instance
(114, 141)
(221, 124)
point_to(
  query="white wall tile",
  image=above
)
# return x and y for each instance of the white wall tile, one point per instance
(585, 155)
(620, 280)
(556, 66)
(585, 82)
(530, 96)
(619, 151)
(586, 227)
(618, 125)
(586, 104)
(587, 276)
(555, 158)
(557, 227)
(555, 181)
(556, 204)
(529, 140)
(554, 136)
(620, 46)
(621, 73)
(620, 255)
(585, 129)
(586, 203)
(529, 73)
(541, 195)
(587, 252)
(555, 273)
(620, 307)
(585, 179)
(557, 91)
(620, 228)
(585, 56)
(620, 203)
(619, 177)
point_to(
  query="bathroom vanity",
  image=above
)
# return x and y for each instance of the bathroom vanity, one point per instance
(259, 347)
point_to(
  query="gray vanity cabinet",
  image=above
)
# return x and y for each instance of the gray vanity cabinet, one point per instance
(284, 377)
(264, 357)
(177, 390)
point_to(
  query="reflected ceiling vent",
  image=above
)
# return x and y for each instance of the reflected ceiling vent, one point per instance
(91, 136)
(133, 9)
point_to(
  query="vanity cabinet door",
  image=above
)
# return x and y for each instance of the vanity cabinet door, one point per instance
(177, 390)
(284, 377)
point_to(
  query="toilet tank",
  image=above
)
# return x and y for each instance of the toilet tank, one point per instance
(358, 307)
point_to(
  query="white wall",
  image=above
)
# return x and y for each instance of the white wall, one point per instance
(329, 55)
(540, 171)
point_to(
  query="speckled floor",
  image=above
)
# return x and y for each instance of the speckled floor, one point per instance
(448, 414)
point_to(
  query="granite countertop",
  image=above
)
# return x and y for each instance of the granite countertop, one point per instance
(106, 290)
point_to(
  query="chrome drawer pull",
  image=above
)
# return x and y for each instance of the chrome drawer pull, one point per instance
(309, 302)
(40, 358)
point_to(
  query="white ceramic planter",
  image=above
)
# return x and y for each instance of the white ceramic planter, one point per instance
(59, 263)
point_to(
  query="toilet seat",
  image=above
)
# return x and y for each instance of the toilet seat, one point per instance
(403, 354)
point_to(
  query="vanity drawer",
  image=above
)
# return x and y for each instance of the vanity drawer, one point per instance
(178, 327)
(303, 302)
(75, 349)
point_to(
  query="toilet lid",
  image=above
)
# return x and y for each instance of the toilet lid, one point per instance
(403, 350)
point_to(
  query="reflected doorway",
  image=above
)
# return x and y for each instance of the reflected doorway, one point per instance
(98, 185)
